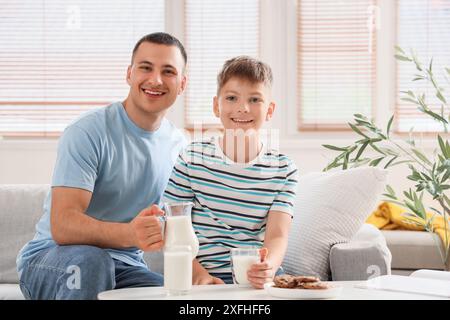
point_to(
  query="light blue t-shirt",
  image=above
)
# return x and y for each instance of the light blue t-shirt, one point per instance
(125, 167)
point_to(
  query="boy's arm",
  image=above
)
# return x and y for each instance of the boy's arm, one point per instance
(201, 276)
(71, 225)
(275, 240)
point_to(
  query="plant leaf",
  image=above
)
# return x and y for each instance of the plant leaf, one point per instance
(361, 150)
(389, 196)
(360, 116)
(400, 50)
(376, 148)
(345, 164)
(355, 128)
(388, 129)
(446, 176)
(441, 97)
(421, 156)
(390, 161)
(443, 148)
(390, 190)
(402, 58)
(400, 162)
(435, 115)
(334, 147)
(375, 162)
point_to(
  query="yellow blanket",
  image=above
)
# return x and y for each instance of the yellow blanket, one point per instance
(389, 216)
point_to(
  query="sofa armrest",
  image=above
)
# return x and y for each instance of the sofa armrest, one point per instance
(359, 260)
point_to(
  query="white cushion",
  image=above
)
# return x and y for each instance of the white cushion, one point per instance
(330, 208)
(368, 232)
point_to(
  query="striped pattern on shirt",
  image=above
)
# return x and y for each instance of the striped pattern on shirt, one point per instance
(231, 201)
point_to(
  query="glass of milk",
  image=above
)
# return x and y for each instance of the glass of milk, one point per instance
(177, 270)
(241, 260)
(178, 228)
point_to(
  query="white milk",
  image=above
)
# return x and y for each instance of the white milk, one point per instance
(179, 231)
(177, 272)
(241, 264)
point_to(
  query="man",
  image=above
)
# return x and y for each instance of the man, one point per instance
(112, 165)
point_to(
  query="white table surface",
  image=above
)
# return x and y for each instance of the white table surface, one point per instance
(233, 292)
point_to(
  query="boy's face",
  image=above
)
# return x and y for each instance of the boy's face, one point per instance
(244, 105)
(156, 77)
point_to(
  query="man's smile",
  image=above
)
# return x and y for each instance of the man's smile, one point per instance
(153, 93)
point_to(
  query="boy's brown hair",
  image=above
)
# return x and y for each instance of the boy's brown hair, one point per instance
(245, 67)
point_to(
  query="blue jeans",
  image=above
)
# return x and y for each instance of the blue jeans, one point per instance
(80, 272)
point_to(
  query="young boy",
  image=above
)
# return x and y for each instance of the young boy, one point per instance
(243, 192)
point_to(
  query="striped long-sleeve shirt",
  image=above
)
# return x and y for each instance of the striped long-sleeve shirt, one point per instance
(231, 200)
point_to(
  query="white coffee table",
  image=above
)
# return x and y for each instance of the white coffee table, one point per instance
(233, 292)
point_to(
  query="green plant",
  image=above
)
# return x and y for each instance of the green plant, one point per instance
(429, 173)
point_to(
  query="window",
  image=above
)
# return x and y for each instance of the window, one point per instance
(215, 31)
(424, 27)
(336, 49)
(61, 58)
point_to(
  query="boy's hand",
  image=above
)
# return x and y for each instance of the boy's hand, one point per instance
(206, 279)
(262, 272)
(146, 229)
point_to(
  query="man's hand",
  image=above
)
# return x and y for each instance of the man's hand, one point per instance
(206, 279)
(146, 229)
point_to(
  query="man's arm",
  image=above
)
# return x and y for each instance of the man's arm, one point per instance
(71, 225)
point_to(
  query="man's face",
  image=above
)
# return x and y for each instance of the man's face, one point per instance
(243, 105)
(156, 77)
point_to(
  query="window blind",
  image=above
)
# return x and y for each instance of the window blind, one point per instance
(336, 47)
(214, 32)
(61, 58)
(424, 27)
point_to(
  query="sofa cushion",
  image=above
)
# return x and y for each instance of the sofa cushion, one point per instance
(330, 208)
(413, 249)
(21, 206)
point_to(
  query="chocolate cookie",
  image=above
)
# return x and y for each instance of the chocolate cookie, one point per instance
(302, 279)
(314, 285)
(285, 281)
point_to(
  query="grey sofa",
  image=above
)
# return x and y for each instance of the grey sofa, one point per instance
(412, 250)
(21, 207)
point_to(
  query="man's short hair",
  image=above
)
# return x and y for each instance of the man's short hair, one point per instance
(247, 68)
(161, 38)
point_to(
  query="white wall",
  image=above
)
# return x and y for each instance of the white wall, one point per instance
(27, 161)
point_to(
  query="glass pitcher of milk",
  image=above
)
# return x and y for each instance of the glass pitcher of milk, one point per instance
(177, 270)
(178, 226)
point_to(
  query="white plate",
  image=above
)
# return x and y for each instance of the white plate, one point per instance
(330, 293)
